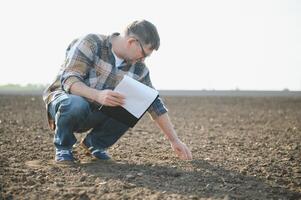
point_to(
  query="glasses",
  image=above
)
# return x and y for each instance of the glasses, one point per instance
(142, 49)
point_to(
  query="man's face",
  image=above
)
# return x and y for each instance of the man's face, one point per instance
(137, 51)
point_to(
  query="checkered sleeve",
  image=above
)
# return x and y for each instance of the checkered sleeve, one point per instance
(79, 59)
(157, 108)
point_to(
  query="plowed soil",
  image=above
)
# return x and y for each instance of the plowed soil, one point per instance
(243, 148)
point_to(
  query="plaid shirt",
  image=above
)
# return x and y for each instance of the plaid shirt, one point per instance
(90, 60)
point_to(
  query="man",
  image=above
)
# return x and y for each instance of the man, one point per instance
(93, 67)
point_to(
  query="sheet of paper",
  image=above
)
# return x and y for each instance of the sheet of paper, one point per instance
(138, 97)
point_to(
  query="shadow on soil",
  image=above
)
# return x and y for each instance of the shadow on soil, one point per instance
(205, 180)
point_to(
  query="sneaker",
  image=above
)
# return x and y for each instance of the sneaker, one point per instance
(100, 154)
(63, 155)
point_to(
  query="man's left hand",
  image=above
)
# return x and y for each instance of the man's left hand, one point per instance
(181, 150)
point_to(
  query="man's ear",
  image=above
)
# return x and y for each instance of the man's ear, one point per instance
(129, 41)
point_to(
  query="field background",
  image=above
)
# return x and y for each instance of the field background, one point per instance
(244, 147)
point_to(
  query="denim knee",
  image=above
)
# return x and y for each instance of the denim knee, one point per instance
(73, 108)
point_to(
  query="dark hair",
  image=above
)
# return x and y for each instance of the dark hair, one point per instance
(145, 31)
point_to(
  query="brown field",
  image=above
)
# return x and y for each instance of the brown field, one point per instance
(243, 148)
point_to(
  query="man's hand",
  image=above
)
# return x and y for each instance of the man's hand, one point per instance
(181, 150)
(109, 98)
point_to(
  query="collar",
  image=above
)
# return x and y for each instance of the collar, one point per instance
(118, 61)
(108, 42)
(109, 45)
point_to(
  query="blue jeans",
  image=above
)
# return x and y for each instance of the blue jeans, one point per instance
(73, 113)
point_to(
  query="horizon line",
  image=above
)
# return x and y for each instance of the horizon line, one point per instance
(41, 86)
(189, 93)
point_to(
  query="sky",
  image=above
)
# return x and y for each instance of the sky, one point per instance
(216, 44)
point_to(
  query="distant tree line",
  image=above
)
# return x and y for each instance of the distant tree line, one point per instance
(27, 87)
